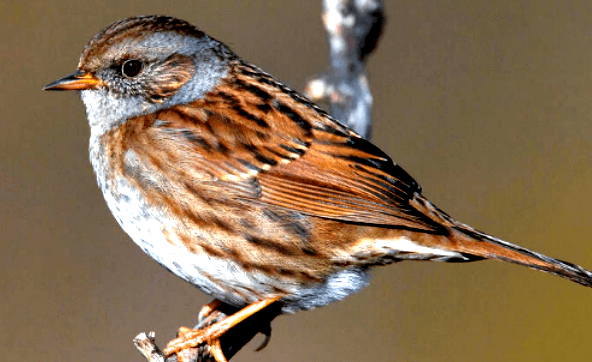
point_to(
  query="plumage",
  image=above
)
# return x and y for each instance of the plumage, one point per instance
(246, 189)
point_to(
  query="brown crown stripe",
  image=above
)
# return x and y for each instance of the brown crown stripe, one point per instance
(136, 27)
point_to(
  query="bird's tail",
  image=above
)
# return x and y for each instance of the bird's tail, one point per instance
(475, 245)
(472, 242)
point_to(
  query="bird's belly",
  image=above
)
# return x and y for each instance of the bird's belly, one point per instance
(152, 232)
(220, 277)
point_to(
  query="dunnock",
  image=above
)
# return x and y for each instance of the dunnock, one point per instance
(243, 187)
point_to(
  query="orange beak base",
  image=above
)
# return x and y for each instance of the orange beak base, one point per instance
(79, 80)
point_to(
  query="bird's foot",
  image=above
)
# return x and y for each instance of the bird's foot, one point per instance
(210, 335)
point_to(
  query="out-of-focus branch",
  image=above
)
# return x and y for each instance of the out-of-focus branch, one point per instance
(353, 29)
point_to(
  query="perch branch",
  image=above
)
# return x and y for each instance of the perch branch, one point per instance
(231, 342)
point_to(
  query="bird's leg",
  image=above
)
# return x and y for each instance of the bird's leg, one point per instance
(191, 338)
(207, 309)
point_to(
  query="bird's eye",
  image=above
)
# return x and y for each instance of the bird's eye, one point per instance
(130, 68)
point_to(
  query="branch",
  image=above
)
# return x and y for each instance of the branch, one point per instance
(231, 342)
(353, 29)
(146, 344)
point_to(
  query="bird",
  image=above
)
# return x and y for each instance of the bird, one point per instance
(246, 189)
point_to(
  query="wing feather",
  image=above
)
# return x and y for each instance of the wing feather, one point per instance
(258, 140)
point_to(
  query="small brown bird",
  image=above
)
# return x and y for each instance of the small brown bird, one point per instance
(243, 187)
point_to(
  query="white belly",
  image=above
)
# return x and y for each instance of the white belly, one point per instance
(234, 285)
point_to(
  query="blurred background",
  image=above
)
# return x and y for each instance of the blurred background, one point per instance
(487, 104)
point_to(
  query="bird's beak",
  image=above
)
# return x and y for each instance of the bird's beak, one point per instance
(79, 80)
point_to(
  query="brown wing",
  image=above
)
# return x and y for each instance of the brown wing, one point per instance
(257, 139)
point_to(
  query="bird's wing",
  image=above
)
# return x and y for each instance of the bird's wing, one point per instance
(256, 139)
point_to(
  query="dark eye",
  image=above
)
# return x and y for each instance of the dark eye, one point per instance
(130, 68)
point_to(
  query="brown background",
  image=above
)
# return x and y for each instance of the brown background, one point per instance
(486, 103)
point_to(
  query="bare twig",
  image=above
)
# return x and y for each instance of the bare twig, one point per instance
(353, 29)
(231, 342)
(147, 346)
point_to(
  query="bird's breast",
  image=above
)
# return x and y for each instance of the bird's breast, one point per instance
(234, 250)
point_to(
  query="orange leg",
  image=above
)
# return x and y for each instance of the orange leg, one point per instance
(207, 309)
(191, 338)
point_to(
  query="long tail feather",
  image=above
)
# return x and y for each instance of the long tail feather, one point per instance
(474, 245)
(470, 241)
